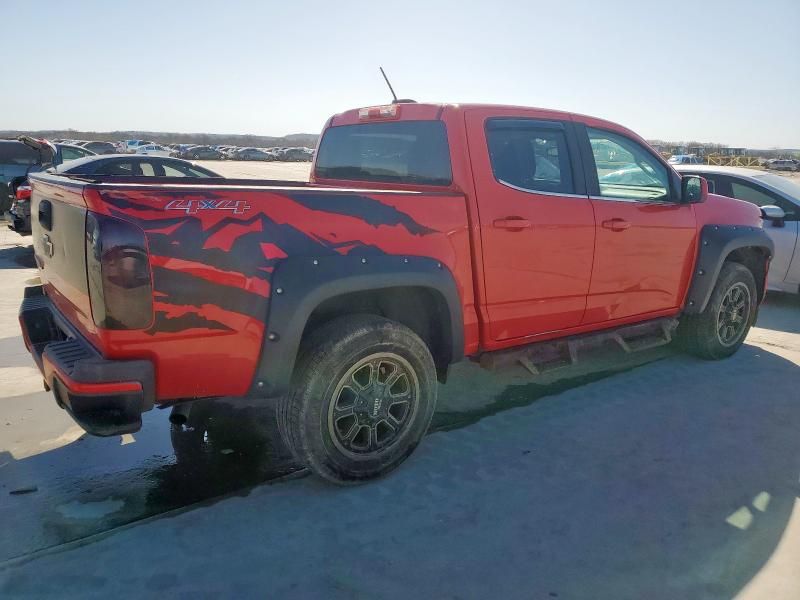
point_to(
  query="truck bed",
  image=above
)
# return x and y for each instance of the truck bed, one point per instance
(214, 248)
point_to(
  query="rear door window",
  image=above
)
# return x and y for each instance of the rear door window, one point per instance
(174, 171)
(181, 170)
(115, 167)
(528, 156)
(147, 169)
(412, 152)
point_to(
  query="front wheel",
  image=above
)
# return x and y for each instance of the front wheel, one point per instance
(362, 398)
(721, 328)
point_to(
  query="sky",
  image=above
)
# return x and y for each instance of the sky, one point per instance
(725, 71)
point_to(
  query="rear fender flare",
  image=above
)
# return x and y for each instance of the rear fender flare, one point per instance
(301, 284)
(715, 244)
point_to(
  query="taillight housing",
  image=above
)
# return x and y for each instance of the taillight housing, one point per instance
(118, 269)
(23, 192)
(387, 111)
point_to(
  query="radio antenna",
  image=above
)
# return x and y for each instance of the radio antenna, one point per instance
(391, 89)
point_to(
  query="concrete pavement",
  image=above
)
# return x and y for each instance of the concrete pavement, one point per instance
(654, 476)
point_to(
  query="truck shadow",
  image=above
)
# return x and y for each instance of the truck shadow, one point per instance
(675, 479)
(17, 256)
(780, 312)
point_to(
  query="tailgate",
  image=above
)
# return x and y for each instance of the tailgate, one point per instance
(58, 226)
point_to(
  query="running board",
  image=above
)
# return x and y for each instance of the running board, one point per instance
(543, 357)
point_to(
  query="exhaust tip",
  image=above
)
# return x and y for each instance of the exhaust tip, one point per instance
(179, 414)
(177, 419)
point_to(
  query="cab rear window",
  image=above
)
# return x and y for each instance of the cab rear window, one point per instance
(414, 152)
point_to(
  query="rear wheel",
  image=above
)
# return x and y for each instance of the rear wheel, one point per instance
(721, 328)
(362, 398)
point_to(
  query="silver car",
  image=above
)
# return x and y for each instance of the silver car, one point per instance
(783, 165)
(779, 199)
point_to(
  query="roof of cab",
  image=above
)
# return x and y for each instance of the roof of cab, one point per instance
(432, 111)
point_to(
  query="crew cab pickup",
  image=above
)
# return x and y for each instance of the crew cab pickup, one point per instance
(428, 233)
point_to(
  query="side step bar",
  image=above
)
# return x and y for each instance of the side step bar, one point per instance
(542, 357)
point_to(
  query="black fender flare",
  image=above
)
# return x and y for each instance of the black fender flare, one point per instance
(715, 244)
(301, 284)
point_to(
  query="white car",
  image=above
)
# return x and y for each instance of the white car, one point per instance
(779, 199)
(685, 159)
(153, 150)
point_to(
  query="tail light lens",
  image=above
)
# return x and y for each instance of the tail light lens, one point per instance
(388, 111)
(23, 192)
(118, 269)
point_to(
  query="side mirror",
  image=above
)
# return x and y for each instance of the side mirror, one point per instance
(694, 189)
(774, 214)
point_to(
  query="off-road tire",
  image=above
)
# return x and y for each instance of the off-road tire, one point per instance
(699, 334)
(326, 360)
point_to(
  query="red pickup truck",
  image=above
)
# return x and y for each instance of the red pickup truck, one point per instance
(428, 233)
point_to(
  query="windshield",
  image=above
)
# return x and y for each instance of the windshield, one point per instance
(398, 152)
(787, 186)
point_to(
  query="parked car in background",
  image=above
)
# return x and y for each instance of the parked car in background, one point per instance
(153, 150)
(135, 166)
(100, 147)
(779, 199)
(782, 164)
(119, 165)
(252, 154)
(230, 152)
(132, 145)
(179, 149)
(685, 159)
(202, 153)
(21, 157)
(26, 155)
(16, 160)
(297, 155)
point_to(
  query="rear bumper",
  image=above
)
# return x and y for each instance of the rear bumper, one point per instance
(105, 397)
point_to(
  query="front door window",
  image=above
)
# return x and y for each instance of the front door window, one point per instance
(625, 170)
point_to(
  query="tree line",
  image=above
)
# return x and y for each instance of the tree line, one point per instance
(164, 137)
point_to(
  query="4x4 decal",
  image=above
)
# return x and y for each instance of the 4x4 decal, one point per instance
(192, 207)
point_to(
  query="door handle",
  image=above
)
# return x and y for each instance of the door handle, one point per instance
(616, 224)
(512, 223)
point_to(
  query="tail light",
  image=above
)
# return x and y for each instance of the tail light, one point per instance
(118, 269)
(23, 192)
(388, 111)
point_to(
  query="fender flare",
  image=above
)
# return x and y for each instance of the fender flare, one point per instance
(715, 244)
(301, 284)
